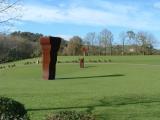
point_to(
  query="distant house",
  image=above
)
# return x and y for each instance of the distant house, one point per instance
(132, 50)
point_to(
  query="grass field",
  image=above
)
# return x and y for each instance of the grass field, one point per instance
(128, 88)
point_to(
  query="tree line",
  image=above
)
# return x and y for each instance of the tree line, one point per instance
(102, 43)
(21, 45)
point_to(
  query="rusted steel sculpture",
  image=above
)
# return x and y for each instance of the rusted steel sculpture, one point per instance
(81, 62)
(50, 47)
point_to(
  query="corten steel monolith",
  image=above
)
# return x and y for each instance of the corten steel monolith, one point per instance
(50, 47)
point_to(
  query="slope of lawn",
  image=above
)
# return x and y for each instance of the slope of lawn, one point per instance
(129, 89)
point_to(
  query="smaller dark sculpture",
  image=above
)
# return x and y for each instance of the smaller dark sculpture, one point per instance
(81, 62)
(50, 47)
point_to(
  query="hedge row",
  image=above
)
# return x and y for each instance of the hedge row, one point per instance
(87, 61)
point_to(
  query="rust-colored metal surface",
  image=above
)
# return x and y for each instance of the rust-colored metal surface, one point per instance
(46, 48)
(50, 47)
(81, 62)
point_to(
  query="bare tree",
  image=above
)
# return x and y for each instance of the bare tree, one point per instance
(86, 40)
(75, 46)
(100, 44)
(90, 39)
(9, 12)
(146, 41)
(131, 36)
(110, 40)
(123, 39)
(107, 38)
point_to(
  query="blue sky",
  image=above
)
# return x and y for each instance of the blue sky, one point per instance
(66, 18)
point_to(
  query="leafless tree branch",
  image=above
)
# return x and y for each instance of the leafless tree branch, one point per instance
(9, 12)
(9, 6)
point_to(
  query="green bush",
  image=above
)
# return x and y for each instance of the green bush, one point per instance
(59, 61)
(70, 115)
(109, 60)
(99, 60)
(105, 61)
(12, 110)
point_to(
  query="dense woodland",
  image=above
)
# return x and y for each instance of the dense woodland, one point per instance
(22, 45)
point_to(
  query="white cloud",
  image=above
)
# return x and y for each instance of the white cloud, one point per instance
(42, 14)
(65, 37)
(157, 5)
(123, 8)
(109, 15)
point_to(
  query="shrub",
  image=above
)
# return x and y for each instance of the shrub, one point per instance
(67, 61)
(109, 60)
(99, 60)
(70, 115)
(12, 110)
(95, 61)
(75, 61)
(90, 60)
(59, 61)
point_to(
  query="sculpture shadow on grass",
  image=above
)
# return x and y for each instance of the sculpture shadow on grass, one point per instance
(96, 76)
(89, 66)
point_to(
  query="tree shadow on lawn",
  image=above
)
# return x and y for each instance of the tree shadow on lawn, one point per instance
(107, 102)
(98, 76)
(89, 109)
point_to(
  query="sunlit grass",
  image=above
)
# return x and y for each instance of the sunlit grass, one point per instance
(125, 89)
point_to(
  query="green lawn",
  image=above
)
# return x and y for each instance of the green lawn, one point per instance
(128, 88)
